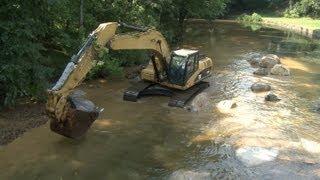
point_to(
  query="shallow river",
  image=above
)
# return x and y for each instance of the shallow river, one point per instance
(149, 140)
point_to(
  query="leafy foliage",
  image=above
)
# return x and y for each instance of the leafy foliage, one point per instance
(254, 18)
(304, 8)
(106, 65)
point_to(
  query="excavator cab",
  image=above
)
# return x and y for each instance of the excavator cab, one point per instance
(182, 65)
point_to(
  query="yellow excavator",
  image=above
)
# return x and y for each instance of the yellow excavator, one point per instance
(178, 74)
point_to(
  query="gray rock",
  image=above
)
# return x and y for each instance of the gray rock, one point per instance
(226, 106)
(135, 80)
(78, 93)
(190, 175)
(280, 70)
(260, 87)
(261, 72)
(269, 61)
(254, 58)
(272, 97)
(253, 55)
(199, 103)
(252, 156)
(317, 106)
(133, 72)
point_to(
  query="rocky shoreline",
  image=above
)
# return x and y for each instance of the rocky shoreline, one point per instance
(17, 121)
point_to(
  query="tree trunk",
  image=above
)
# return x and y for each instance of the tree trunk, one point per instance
(81, 14)
(182, 16)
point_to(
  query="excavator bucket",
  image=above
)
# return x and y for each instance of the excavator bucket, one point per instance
(79, 118)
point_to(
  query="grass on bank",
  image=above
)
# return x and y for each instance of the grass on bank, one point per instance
(304, 22)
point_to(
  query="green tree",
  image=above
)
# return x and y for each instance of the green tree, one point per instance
(304, 8)
(31, 30)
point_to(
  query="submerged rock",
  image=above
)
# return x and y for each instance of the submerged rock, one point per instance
(317, 106)
(252, 156)
(190, 175)
(133, 72)
(135, 80)
(272, 97)
(260, 87)
(269, 61)
(310, 146)
(199, 103)
(226, 106)
(78, 93)
(280, 70)
(261, 72)
(254, 58)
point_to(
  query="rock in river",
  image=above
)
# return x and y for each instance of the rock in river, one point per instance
(260, 87)
(261, 72)
(254, 58)
(310, 146)
(280, 70)
(269, 61)
(226, 106)
(272, 97)
(316, 106)
(252, 156)
(190, 175)
(200, 103)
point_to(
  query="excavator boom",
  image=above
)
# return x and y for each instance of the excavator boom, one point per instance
(73, 115)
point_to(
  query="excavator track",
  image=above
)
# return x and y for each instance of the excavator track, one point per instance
(140, 89)
(181, 98)
(178, 98)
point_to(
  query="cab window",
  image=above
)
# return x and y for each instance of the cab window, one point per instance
(191, 66)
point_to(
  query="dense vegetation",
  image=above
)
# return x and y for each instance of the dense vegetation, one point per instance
(254, 18)
(36, 34)
(287, 8)
(304, 8)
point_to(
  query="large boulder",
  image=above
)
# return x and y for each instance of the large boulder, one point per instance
(253, 58)
(280, 70)
(190, 175)
(272, 97)
(253, 156)
(310, 146)
(269, 61)
(199, 103)
(226, 105)
(261, 72)
(133, 72)
(260, 87)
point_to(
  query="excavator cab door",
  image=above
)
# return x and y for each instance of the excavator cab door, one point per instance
(177, 69)
(182, 65)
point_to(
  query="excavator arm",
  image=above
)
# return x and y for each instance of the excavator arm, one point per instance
(72, 116)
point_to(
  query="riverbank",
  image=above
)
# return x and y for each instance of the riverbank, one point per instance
(304, 26)
(27, 115)
(17, 121)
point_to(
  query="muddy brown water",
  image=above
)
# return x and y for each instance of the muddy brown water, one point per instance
(149, 140)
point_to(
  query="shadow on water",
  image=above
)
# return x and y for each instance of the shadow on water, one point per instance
(149, 140)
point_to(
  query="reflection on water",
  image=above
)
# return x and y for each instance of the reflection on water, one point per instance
(150, 140)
